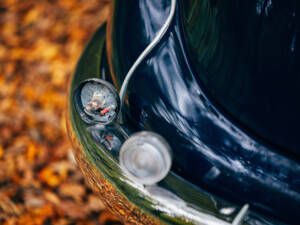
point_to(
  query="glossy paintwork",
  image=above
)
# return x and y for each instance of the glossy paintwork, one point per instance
(173, 201)
(246, 53)
(166, 96)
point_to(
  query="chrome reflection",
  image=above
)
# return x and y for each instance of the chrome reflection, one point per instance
(108, 137)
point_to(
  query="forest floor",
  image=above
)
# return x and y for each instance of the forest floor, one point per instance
(40, 43)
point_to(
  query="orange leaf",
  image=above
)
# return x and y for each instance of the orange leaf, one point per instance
(1, 152)
(31, 152)
(48, 176)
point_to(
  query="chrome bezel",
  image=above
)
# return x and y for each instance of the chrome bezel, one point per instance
(79, 106)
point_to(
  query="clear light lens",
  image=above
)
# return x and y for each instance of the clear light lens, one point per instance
(97, 100)
(146, 157)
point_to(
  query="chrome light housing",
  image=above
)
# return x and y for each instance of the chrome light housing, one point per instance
(97, 101)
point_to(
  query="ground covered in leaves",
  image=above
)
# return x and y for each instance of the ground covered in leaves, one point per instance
(40, 43)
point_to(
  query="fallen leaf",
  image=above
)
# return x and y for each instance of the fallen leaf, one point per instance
(76, 191)
(94, 203)
(48, 176)
(73, 210)
(1, 152)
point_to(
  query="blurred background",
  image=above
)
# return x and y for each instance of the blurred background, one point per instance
(40, 43)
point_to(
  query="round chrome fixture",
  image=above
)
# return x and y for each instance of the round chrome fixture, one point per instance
(146, 157)
(97, 100)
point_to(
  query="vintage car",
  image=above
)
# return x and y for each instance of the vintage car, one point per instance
(188, 111)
